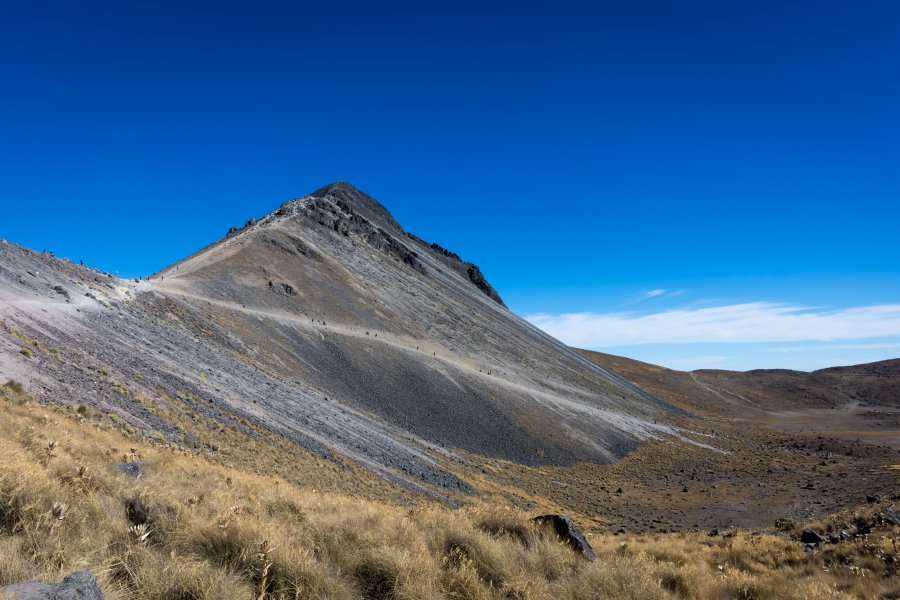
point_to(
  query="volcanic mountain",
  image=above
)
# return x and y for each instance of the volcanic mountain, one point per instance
(328, 324)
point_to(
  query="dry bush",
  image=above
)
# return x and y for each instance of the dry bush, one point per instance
(13, 387)
(505, 522)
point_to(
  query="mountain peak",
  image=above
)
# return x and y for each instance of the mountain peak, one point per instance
(337, 188)
(359, 201)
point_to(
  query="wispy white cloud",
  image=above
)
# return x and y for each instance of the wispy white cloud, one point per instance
(652, 294)
(829, 347)
(659, 293)
(735, 323)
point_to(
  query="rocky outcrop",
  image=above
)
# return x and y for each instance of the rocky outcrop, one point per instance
(282, 289)
(360, 214)
(811, 536)
(468, 270)
(476, 277)
(569, 533)
(344, 218)
(77, 586)
(289, 244)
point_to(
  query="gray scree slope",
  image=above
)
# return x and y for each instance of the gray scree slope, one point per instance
(326, 322)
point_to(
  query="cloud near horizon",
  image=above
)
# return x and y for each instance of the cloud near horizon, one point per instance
(752, 322)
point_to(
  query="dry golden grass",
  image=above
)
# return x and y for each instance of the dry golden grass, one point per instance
(190, 528)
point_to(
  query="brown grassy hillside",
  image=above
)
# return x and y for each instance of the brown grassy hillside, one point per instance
(192, 528)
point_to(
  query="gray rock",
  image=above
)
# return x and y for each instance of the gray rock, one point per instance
(132, 469)
(77, 586)
(569, 533)
(891, 517)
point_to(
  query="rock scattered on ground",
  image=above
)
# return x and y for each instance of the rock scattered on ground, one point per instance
(131, 469)
(78, 586)
(811, 536)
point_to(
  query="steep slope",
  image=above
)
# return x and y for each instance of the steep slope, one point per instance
(328, 324)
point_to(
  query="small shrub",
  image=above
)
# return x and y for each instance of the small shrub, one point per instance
(26, 352)
(377, 577)
(463, 549)
(14, 386)
(500, 522)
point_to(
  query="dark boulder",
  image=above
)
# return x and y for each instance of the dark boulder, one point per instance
(569, 533)
(77, 586)
(811, 536)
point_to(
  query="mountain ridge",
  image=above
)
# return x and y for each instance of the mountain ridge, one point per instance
(360, 210)
(326, 323)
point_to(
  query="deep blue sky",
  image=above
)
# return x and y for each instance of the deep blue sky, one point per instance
(584, 154)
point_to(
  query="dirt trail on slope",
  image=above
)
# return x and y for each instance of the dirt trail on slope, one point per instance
(408, 344)
(489, 373)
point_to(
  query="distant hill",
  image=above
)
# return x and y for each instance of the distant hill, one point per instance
(871, 389)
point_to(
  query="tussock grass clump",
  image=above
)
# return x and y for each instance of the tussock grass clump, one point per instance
(503, 522)
(13, 387)
(190, 528)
